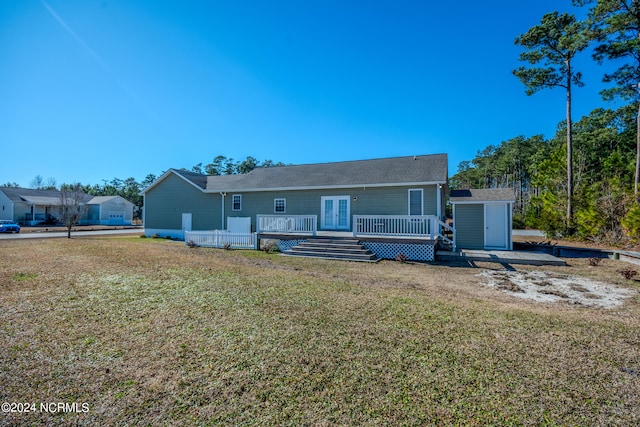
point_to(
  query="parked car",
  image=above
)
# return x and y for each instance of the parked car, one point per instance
(7, 226)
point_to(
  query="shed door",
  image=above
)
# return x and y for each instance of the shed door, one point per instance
(495, 221)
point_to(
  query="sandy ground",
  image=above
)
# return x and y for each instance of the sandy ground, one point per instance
(543, 286)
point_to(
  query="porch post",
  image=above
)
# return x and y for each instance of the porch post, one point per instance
(433, 221)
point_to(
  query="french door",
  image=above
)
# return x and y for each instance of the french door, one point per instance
(335, 213)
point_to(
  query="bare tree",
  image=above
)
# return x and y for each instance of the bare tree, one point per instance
(39, 183)
(72, 206)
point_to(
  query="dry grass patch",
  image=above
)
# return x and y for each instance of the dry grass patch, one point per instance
(154, 332)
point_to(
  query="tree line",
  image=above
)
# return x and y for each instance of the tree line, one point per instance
(584, 180)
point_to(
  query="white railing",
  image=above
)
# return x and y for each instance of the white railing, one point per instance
(395, 225)
(295, 224)
(451, 241)
(221, 239)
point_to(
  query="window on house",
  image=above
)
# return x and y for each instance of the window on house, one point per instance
(415, 201)
(279, 205)
(237, 202)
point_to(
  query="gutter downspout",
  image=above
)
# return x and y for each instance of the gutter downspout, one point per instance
(223, 194)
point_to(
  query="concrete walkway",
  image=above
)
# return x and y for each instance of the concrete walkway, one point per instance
(528, 233)
(501, 257)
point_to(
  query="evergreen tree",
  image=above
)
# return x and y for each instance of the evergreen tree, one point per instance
(550, 49)
(615, 25)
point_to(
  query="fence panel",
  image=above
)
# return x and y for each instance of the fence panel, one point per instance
(221, 239)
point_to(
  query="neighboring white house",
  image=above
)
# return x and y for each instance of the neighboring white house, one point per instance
(28, 206)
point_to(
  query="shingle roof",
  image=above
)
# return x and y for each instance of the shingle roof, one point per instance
(97, 200)
(39, 197)
(197, 179)
(387, 171)
(483, 195)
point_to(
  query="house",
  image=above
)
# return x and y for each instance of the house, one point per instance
(28, 206)
(386, 202)
(109, 210)
(483, 219)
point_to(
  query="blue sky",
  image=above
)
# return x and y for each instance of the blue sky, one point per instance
(97, 89)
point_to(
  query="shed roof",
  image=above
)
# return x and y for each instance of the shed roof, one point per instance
(406, 170)
(97, 200)
(483, 195)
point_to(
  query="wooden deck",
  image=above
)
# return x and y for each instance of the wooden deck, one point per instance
(464, 255)
(346, 235)
(501, 257)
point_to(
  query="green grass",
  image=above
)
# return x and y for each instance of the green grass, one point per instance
(24, 276)
(151, 332)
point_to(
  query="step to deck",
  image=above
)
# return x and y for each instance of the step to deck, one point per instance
(339, 249)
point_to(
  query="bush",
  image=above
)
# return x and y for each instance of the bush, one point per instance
(631, 222)
(628, 273)
(270, 248)
(550, 214)
(519, 221)
(594, 261)
(589, 221)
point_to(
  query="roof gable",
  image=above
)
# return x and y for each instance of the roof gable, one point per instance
(97, 200)
(197, 180)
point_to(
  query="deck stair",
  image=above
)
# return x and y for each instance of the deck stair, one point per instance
(332, 248)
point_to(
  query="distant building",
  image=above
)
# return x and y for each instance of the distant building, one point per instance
(31, 207)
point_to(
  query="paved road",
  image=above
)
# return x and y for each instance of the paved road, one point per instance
(528, 233)
(47, 235)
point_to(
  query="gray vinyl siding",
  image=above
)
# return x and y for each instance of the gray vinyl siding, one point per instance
(167, 201)
(116, 205)
(92, 214)
(370, 201)
(6, 207)
(469, 224)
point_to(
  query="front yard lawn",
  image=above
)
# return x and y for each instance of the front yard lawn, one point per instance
(150, 332)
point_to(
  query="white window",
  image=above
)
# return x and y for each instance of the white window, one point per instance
(237, 202)
(415, 201)
(279, 205)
